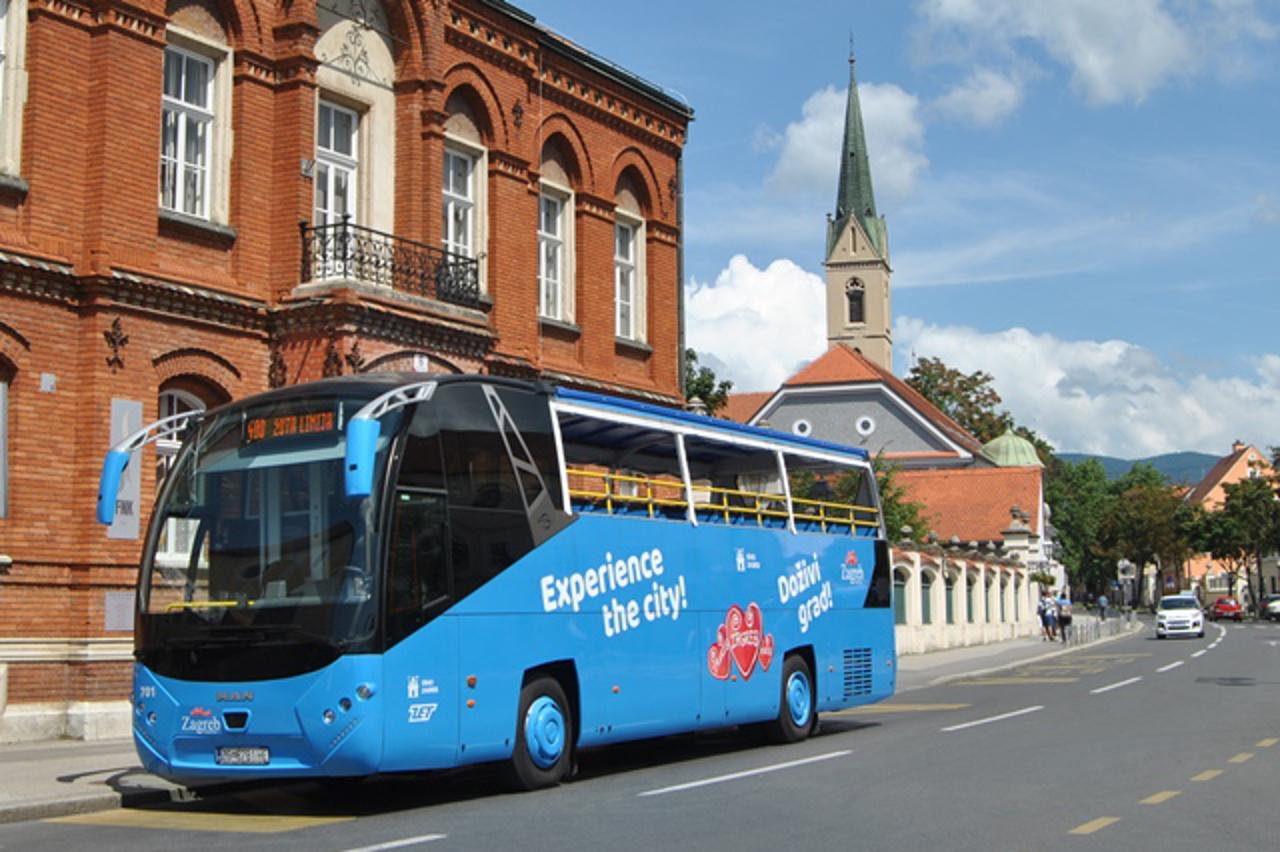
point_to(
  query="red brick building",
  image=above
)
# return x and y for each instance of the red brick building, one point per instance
(201, 199)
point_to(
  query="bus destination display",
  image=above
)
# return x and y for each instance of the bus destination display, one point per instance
(279, 425)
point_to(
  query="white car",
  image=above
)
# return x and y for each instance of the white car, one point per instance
(1273, 607)
(1179, 615)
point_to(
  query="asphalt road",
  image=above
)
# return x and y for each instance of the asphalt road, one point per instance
(1135, 744)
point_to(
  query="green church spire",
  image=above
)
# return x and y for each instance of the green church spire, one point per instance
(854, 196)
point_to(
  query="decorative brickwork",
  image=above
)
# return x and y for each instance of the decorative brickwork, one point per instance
(106, 296)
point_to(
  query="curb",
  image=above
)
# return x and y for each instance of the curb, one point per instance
(94, 802)
(941, 679)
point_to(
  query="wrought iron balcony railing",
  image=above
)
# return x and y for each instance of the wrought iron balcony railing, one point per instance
(344, 250)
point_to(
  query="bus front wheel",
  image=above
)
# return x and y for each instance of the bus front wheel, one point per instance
(795, 712)
(544, 736)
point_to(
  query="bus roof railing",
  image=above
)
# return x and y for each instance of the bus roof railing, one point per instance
(117, 458)
(363, 430)
(626, 411)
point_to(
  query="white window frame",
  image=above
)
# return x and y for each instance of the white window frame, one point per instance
(330, 162)
(13, 83)
(555, 296)
(631, 326)
(172, 402)
(459, 199)
(477, 204)
(186, 113)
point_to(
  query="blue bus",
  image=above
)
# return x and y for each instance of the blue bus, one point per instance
(394, 572)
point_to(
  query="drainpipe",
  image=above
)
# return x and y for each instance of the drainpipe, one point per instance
(680, 272)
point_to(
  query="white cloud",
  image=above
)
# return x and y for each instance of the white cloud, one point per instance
(984, 99)
(1116, 49)
(809, 160)
(1110, 397)
(762, 324)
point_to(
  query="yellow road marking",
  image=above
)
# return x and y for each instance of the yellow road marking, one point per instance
(1161, 797)
(1115, 656)
(875, 709)
(1268, 742)
(1207, 775)
(200, 821)
(1005, 681)
(1095, 825)
(1241, 757)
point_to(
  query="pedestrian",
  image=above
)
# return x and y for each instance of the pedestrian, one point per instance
(1064, 616)
(1047, 616)
(1102, 607)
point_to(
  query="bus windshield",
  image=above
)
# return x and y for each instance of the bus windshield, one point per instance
(252, 530)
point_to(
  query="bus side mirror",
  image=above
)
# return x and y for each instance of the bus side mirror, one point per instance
(362, 439)
(109, 484)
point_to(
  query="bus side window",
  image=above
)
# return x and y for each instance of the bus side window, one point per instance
(488, 527)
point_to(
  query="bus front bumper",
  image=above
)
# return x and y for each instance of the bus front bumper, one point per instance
(325, 723)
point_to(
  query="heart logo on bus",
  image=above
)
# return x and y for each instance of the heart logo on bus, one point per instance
(718, 660)
(740, 639)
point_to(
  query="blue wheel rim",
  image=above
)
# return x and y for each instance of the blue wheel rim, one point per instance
(544, 732)
(799, 699)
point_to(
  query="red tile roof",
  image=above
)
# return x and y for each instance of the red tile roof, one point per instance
(842, 365)
(742, 406)
(973, 502)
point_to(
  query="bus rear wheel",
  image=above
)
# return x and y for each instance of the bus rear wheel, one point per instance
(544, 734)
(795, 711)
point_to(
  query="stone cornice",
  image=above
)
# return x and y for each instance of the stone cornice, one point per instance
(194, 303)
(41, 279)
(375, 322)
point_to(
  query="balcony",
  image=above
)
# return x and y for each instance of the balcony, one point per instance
(354, 253)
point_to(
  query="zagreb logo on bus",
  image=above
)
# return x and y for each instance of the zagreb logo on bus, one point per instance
(200, 720)
(851, 572)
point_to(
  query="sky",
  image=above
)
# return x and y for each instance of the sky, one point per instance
(1082, 196)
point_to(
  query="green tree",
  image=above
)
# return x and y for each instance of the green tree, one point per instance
(969, 399)
(701, 382)
(1222, 538)
(1079, 497)
(1251, 505)
(1143, 525)
(966, 398)
(899, 512)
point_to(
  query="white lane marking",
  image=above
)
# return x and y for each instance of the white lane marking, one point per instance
(746, 773)
(990, 719)
(1102, 689)
(399, 844)
(1199, 653)
(1170, 666)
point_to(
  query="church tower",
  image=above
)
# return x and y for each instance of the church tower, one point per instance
(857, 260)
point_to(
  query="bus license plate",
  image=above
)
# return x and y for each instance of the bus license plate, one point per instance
(242, 756)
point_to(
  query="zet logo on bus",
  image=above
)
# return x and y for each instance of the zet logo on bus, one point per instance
(742, 642)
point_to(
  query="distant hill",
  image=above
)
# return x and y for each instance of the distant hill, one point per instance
(1186, 468)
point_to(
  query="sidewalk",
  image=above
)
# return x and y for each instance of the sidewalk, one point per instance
(918, 671)
(61, 777)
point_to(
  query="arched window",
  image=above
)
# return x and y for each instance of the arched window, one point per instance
(926, 597)
(629, 273)
(195, 128)
(174, 546)
(555, 235)
(951, 598)
(899, 597)
(855, 293)
(6, 379)
(1004, 587)
(465, 228)
(971, 588)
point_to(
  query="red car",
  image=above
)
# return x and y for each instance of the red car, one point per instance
(1226, 608)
